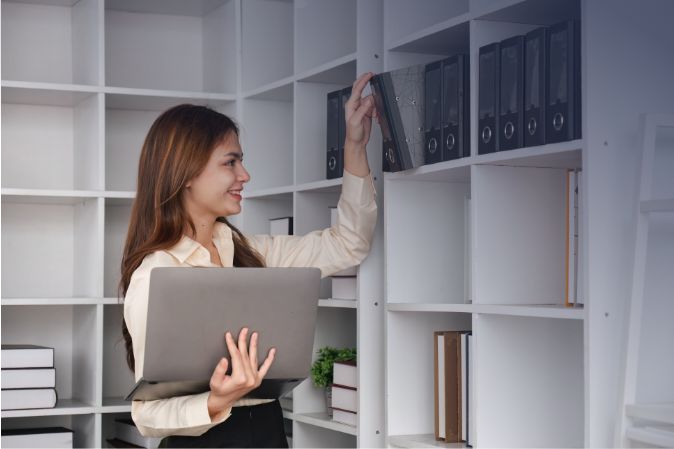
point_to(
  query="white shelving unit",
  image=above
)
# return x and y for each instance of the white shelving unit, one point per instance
(472, 244)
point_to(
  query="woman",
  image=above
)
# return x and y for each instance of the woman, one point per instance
(190, 179)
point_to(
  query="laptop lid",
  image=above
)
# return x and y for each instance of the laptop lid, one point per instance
(190, 309)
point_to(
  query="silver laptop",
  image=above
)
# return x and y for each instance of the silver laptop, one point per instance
(190, 309)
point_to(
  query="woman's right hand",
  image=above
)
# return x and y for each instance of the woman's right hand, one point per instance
(246, 376)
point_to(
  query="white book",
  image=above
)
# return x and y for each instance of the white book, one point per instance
(126, 430)
(24, 399)
(464, 386)
(57, 437)
(345, 398)
(345, 417)
(29, 378)
(281, 226)
(290, 441)
(352, 271)
(344, 288)
(27, 356)
(345, 374)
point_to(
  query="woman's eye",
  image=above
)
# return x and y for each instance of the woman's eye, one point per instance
(230, 163)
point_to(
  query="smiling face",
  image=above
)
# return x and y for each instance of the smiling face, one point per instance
(216, 191)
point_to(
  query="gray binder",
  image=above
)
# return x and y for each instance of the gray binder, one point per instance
(190, 309)
(399, 99)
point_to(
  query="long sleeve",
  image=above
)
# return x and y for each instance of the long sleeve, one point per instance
(335, 248)
(184, 415)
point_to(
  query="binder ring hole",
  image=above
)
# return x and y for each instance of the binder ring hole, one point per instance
(432, 145)
(558, 121)
(332, 163)
(509, 130)
(390, 156)
(532, 125)
(486, 134)
(450, 142)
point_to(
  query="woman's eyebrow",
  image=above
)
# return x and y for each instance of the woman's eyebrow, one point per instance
(234, 154)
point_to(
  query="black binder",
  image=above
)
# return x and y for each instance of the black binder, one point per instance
(332, 160)
(455, 107)
(535, 86)
(563, 68)
(488, 98)
(433, 113)
(511, 96)
(344, 96)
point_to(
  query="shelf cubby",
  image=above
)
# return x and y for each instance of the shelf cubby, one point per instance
(266, 136)
(82, 425)
(519, 216)
(312, 210)
(108, 427)
(311, 128)
(117, 216)
(57, 243)
(65, 154)
(410, 355)
(172, 46)
(268, 54)
(258, 212)
(324, 31)
(529, 382)
(118, 379)
(402, 18)
(55, 42)
(335, 327)
(72, 332)
(428, 264)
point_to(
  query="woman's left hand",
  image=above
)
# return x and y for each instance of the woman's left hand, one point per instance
(359, 113)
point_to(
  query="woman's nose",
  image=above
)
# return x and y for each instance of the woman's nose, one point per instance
(244, 176)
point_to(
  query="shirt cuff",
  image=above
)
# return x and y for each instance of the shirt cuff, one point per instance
(197, 411)
(358, 189)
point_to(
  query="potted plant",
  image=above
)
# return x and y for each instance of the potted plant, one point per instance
(321, 370)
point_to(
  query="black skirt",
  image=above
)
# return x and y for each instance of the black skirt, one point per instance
(248, 426)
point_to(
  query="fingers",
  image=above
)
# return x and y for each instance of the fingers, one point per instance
(253, 351)
(357, 91)
(365, 109)
(219, 374)
(245, 360)
(267, 364)
(233, 352)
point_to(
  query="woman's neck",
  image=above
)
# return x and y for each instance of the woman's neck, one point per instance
(204, 232)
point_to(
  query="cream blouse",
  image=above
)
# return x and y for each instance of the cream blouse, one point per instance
(331, 250)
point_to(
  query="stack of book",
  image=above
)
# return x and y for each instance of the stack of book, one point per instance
(345, 393)
(28, 377)
(128, 435)
(452, 387)
(345, 282)
(58, 437)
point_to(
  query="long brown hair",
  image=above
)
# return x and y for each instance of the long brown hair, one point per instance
(176, 149)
